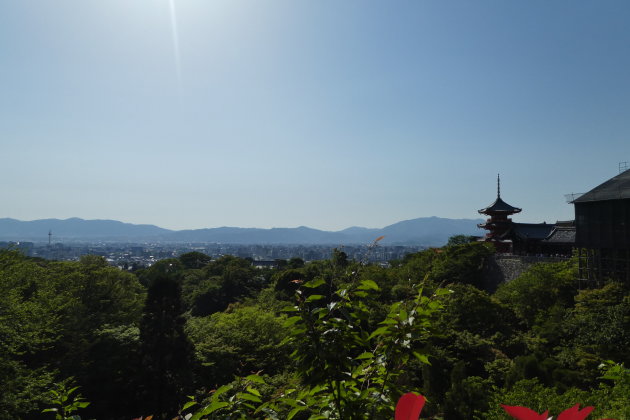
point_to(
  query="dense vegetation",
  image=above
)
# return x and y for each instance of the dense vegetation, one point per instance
(334, 338)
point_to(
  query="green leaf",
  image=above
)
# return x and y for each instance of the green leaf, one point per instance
(422, 358)
(314, 283)
(293, 412)
(71, 390)
(213, 406)
(378, 331)
(253, 391)
(403, 314)
(290, 402)
(249, 397)
(222, 390)
(365, 355)
(442, 292)
(256, 379)
(189, 404)
(292, 320)
(313, 298)
(394, 308)
(368, 285)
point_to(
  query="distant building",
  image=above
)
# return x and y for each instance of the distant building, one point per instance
(499, 223)
(602, 218)
(509, 237)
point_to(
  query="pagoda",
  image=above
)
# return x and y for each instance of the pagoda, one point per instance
(499, 223)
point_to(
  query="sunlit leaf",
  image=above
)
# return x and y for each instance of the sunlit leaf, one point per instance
(213, 406)
(256, 378)
(378, 331)
(292, 320)
(368, 285)
(314, 283)
(422, 358)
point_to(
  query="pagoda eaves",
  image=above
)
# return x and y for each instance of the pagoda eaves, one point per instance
(500, 206)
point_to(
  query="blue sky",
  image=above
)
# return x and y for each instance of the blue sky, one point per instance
(324, 113)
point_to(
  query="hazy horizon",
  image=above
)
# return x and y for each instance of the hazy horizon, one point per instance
(248, 227)
(187, 114)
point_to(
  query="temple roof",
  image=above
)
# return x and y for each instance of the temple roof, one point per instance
(524, 231)
(563, 235)
(500, 206)
(541, 232)
(617, 187)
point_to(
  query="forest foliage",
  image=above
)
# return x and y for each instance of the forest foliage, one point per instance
(335, 339)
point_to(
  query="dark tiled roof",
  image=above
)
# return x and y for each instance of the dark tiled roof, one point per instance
(500, 206)
(524, 231)
(563, 235)
(615, 188)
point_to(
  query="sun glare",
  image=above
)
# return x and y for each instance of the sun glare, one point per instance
(175, 36)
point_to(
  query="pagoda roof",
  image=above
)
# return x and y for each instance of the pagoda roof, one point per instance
(616, 188)
(500, 206)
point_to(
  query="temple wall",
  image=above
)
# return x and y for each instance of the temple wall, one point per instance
(500, 268)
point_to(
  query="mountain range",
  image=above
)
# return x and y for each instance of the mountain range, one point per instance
(427, 231)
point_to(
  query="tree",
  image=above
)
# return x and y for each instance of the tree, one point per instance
(350, 366)
(339, 259)
(535, 292)
(219, 283)
(460, 240)
(596, 329)
(166, 353)
(244, 340)
(50, 316)
(28, 322)
(193, 260)
(461, 264)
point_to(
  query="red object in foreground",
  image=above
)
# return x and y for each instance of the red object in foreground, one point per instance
(524, 413)
(409, 407)
(574, 413)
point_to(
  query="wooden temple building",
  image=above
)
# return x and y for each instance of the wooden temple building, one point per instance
(599, 235)
(602, 218)
(510, 237)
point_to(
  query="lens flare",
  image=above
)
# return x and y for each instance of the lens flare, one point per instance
(175, 42)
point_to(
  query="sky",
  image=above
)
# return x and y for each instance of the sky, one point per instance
(329, 114)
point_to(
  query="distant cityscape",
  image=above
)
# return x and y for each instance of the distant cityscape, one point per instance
(131, 247)
(132, 256)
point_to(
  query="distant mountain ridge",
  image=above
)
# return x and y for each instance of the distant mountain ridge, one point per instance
(427, 231)
(74, 228)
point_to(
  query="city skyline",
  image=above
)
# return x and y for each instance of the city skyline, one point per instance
(189, 114)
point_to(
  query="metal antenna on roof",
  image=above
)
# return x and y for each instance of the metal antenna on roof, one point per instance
(498, 186)
(623, 166)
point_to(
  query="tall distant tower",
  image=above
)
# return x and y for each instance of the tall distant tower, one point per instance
(49, 237)
(498, 223)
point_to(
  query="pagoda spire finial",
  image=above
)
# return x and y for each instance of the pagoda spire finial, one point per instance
(498, 186)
